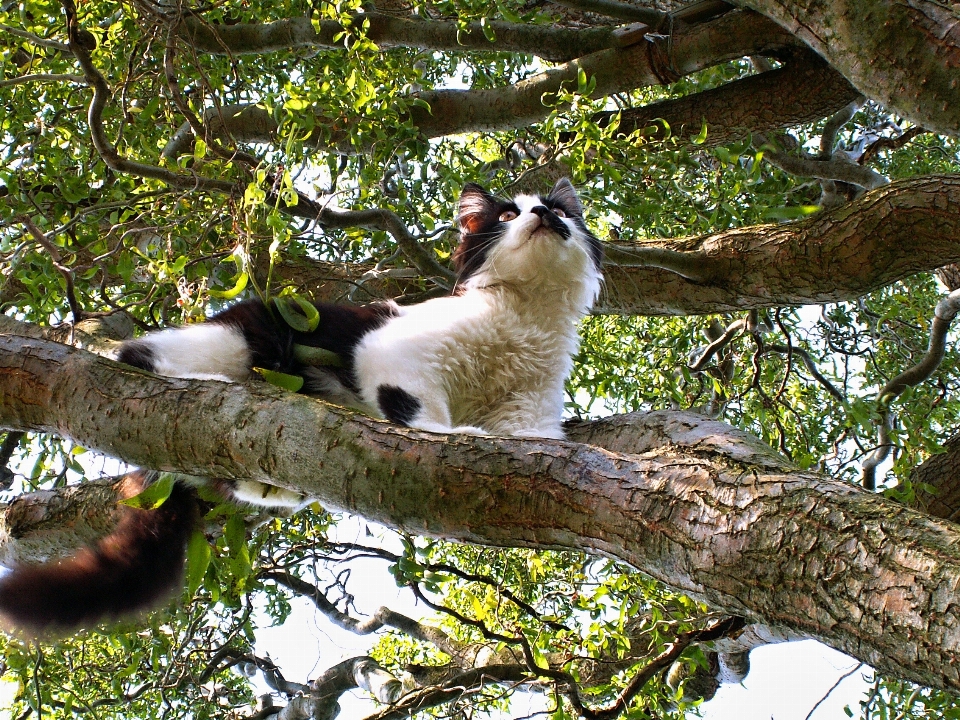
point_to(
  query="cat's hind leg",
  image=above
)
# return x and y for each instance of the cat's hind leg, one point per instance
(225, 347)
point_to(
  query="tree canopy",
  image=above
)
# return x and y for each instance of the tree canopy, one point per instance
(760, 417)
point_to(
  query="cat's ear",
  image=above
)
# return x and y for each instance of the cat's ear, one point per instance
(565, 195)
(475, 203)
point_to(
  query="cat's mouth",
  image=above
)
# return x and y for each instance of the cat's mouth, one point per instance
(544, 229)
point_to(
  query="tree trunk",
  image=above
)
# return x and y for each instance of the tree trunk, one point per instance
(711, 512)
(904, 54)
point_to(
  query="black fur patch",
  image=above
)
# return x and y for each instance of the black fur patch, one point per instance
(552, 220)
(596, 247)
(340, 330)
(397, 405)
(269, 339)
(479, 229)
(137, 354)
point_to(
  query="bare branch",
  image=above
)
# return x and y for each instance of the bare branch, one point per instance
(383, 617)
(555, 44)
(881, 144)
(35, 39)
(80, 45)
(943, 315)
(619, 10)
(24, 79)
(837, 168)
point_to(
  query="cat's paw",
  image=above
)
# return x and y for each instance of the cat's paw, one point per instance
(447, 430)
(549, 433)
(469, 430)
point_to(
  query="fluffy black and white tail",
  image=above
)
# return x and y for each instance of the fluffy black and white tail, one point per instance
(132, 569)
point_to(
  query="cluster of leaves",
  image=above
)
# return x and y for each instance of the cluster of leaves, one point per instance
(166, 256)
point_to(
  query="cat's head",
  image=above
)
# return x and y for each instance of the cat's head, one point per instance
(536, 241)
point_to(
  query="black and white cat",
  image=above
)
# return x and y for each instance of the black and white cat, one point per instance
(490, 359)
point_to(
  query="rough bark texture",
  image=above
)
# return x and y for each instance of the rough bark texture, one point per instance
(937, 482)
(905, 54)
(750, 536)
(643, 63)
(555, 44)
(892, 232)
(48, 525)
(805, 90)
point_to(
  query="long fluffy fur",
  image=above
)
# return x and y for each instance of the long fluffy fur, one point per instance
(133, 568)
(492, 358)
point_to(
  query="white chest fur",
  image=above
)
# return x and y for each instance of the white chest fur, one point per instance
(489, 358)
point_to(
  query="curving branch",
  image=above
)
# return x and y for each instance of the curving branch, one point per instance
(837, 167)
(707, 524)
(555, 44)
(383, 617)
(943, 315)
(81, 43)
(805, 89)
(892, 232)
(647, 62)
(844, 32)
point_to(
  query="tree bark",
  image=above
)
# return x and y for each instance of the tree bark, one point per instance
(556, 44)
(741, 530)
(643, 63)
(904, 54)
(804, 90)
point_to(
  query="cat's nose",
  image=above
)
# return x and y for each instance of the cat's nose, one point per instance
(540, 210)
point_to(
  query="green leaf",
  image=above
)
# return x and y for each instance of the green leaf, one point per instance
(789, 213)
(298, 313)
(317, 357)
(234, 291)
(701, 137)
(154, 495)
(508, 14)
(198, 560)
(487, 30)
(293, 383)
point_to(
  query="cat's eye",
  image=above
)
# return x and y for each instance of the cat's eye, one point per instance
(559, 212)
(508, 216)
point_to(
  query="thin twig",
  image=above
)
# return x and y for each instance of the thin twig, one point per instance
(733, 329)
(832, 688)
(943, 315)
(41, 77)
(885, 143)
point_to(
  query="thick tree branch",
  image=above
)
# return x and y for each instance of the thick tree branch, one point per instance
(890, 233)
(903, 228)
(556, 44)
(43, 526)
(804, 90)
(863, 574)
(653, 61)
(845, 32)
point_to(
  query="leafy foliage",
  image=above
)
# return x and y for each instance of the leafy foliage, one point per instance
(161, 255)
